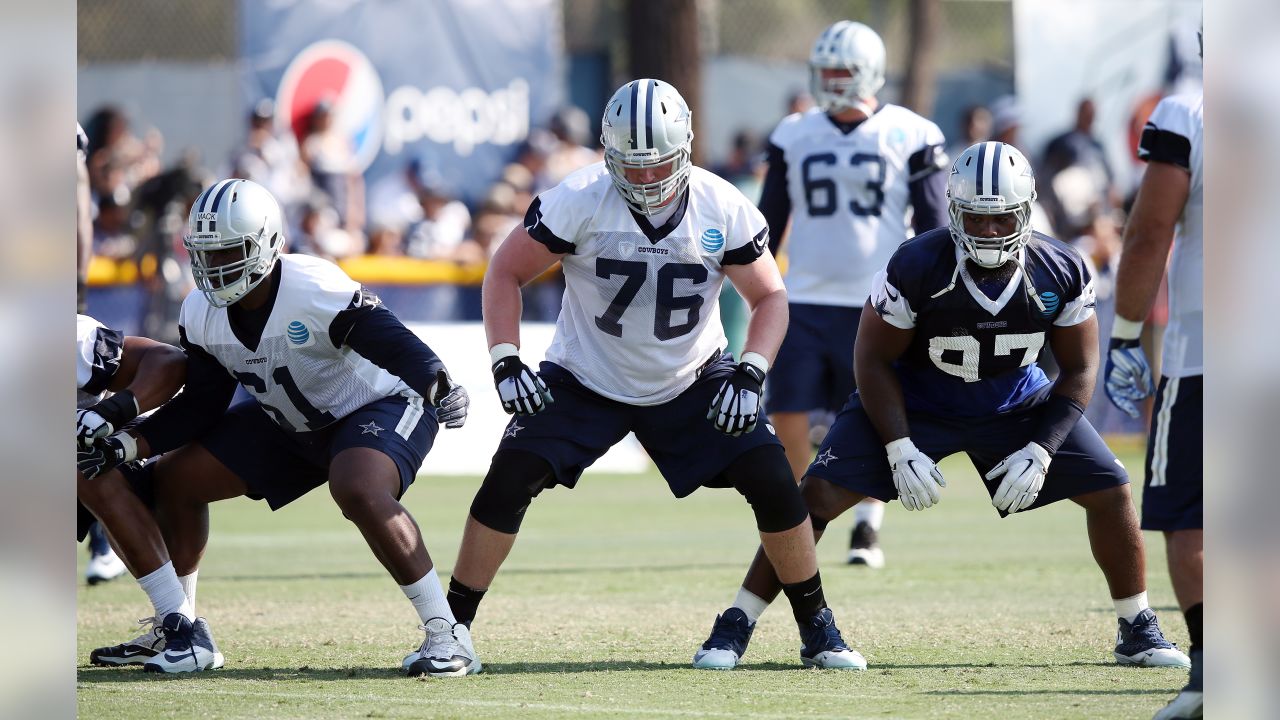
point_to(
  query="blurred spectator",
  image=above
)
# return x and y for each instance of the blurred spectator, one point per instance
(444, 225)
(393, 203)
(1006, 120)
(975, 127)
(799, 101)
(271, 159)
(84, 218)
(1078, 179)
(331, 158)
(320, 232)
(494, 221)
(163, 203)
(115, 156)
(570, 130)
(113, 235)
(743, 164)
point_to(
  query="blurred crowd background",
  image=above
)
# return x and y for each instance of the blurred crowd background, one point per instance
(412, 162)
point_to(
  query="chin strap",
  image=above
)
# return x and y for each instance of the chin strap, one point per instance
(1020, 258)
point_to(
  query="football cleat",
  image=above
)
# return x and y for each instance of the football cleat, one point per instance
(103, 568)
(822, 647)
(1141, 643)
(728, 642)
(447, 652)
(1190, 702)
(864, 547)
(188, 647)
(133, 652)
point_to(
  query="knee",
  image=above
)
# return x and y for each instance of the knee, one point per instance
(514, 479)
(1111, 499)
(354, 498)
(763, 476)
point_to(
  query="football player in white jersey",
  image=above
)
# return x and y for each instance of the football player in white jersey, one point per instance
(646, 240)
(117, 378)
(342, 393)
(1169, 211)
(848, 174)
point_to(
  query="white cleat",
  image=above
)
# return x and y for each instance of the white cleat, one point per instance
(188, 647)
(1187, 704)
(132, 652)
(103, 568)
(446, 652)
(823, 647)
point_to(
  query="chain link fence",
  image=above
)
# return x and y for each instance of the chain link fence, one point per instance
(113, 31)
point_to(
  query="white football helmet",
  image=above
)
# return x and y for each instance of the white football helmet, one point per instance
(647, 124)
(233, 215)
(848, 46)
(991, 178)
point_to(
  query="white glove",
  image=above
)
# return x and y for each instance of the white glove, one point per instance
(521, 390)
(89, 427)
(915, 475)
(1024, 472)
(736, 407)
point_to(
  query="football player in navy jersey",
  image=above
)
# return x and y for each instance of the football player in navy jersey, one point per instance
(946, 363)
(342, 393)
(646, 240)
(847, 174)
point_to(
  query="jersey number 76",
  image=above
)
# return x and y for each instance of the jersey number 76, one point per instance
(666, 302)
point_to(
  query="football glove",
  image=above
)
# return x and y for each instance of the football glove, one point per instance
(104, 418)
(1023, 472)
(521, 390)
(735, 409)
(915, 475)
(1128, 375)
(106, 454)
(450, 401)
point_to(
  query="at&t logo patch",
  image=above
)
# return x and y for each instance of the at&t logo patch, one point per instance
(712, 240)
(298, 334)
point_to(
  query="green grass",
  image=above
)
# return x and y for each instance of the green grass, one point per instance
(610, 590)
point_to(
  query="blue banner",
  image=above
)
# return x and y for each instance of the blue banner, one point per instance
(455, 83)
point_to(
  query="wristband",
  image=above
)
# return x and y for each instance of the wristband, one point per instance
(756, 360)
(502, 350)
(1125, 329)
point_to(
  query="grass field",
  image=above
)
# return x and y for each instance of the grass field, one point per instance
(610, 590)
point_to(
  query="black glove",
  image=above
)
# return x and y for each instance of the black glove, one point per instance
(106, 454)
(105, 417)
(450, 401)
(521, 390)
(736, 407)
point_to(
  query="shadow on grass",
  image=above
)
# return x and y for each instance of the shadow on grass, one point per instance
(1020, 693)
(289, 577)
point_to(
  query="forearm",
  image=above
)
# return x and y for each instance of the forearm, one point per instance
(161, 372)
(767, 325)
(378, 336)
(187, 417)
(881, 395)
(502, 308)
(1142, 265)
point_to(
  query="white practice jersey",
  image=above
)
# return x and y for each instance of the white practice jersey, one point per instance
(1175, 134)
(301, 379)
(641, 310)
(849, 199)
(98, 352)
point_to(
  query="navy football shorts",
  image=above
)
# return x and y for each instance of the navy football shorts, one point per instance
(814, 367)
(580, 426)
(280, 467)
(1173, 498)
(853, 457)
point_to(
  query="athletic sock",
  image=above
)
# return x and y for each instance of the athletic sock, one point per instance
(870, 512)
(464, 601)
(98, 544)
(1194, 616)
(188, 583)
(1129, 608)
(162, 587)
(751, 604)
(428, 598)
(806, 598)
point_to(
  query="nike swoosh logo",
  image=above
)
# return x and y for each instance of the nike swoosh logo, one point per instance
(892, 297)
(132, 652)
(179, 658)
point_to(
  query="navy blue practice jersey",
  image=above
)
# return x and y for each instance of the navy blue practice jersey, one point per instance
(973, 355)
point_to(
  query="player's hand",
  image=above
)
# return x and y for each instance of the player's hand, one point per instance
(1128, 378)
(106, 454)
(736, 407)
(1023, 472)
(521, 390)
(915, 475)
(450, 401)
(104, 418)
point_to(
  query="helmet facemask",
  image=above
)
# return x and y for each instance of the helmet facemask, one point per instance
(990, 252)
(834, 94)
(223, 282)
(853, 48)
(652, 197)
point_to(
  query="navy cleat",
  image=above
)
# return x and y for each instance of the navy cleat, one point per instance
(1190, 702)
(447, 652)
(132, 652)
(728, 642)
(864, 547)
(188, 647)
(822, 647)
(1141, 643)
